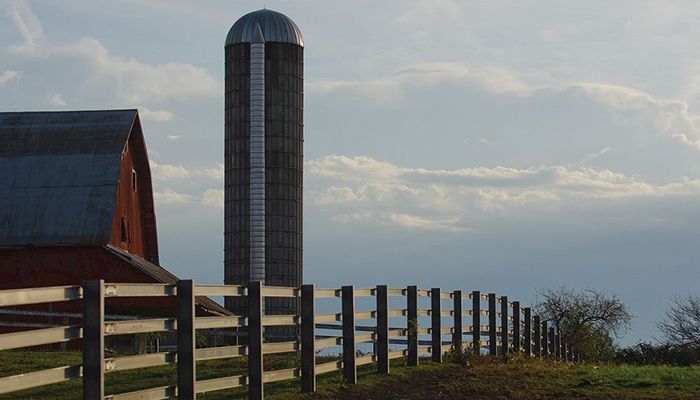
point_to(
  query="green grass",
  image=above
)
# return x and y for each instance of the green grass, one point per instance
(475, 378)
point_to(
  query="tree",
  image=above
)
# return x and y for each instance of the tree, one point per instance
(682, 324)
(588, 320)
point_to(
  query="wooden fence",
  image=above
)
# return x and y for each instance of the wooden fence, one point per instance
(510, 329)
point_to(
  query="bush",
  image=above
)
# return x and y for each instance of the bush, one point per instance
(650, 354)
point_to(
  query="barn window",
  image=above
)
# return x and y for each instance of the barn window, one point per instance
(133, 180)
(124, 230)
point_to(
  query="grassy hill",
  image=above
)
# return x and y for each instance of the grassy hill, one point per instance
(476, 378)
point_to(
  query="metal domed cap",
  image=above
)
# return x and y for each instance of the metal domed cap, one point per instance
(276, 27)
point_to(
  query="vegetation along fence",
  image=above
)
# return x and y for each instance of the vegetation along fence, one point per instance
(510, 329)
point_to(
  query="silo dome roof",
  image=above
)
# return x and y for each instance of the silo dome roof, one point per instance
(276, 27)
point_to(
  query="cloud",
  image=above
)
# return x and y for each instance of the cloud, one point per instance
(56, 100)
(213, 198)
(361, 188)
(173, 137)
(170, 172)
(92, 77)
(493, 79)
(26, 22)
(172, 197)
(8, 75)
(155, 115)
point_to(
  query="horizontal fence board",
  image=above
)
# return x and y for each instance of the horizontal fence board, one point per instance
(396, 292)
(328, 342)
(140, 326)
(423, 293)
(220, 290)
(37, 337)
(364, 360)
(139, 290)
(365, 315)
(423, 312)
(364, 292)
(328, 367)
(326, 293)
(397, 354)
(365, 337)
(214, 353)
(321, 318)
(219, 322)
(139, 361)
(446, 295)
(30, 380)
(280, 347)
(228, 382)
(397, 332)
(281, 375)
(163, 392)
(20, 297)
(278, 291)
(398, 313)
(278, 320)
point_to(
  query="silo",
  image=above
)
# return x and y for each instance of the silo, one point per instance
(264, 142)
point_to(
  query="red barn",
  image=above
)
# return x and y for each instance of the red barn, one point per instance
(76, 203)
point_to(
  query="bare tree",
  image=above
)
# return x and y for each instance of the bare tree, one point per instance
(682, 324)
(588, 320)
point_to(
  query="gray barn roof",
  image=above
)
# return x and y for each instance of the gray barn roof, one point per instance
(59, 173)
(276, 27)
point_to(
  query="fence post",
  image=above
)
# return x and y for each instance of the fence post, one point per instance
(476, 321)
(538, 335)
(552, 343)
(504, 325)
(492, 324)
(436, 324)
(412, 325)
(457, 320)
(186, 365)
(382, 329)
(349, 364)
(565, 352)
(308, 339)
(545, 341)
(93, 340)
(516, 327)
(255, 341)
(528, 331)
(557, 345)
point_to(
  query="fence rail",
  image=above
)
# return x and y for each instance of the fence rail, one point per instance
(452, 317)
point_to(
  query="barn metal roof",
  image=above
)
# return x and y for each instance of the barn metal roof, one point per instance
(275, 26)
(59, 173)
(161, 274)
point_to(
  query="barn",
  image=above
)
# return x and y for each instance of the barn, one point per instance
(76, 203)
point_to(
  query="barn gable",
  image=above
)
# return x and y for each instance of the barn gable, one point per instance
(60, 173)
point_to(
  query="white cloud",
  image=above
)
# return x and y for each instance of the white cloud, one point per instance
(493, 79)
(173, 137)
(172, 197)
(26, 22)
(364, 189)
(213, 198)
(155, 115)
(683, 138)
(8, 75)
(93, 75)
(169, 172)
(56, 100)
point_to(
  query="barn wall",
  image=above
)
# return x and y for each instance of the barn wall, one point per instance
(71, 265)
(128, 207)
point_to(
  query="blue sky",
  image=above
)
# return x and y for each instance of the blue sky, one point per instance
(503, 146)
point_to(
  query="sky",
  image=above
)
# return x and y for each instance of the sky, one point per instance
(505, 146)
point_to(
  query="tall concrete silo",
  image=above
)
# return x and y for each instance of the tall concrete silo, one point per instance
(264, 148)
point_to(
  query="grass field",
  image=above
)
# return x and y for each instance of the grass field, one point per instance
(480, 378)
